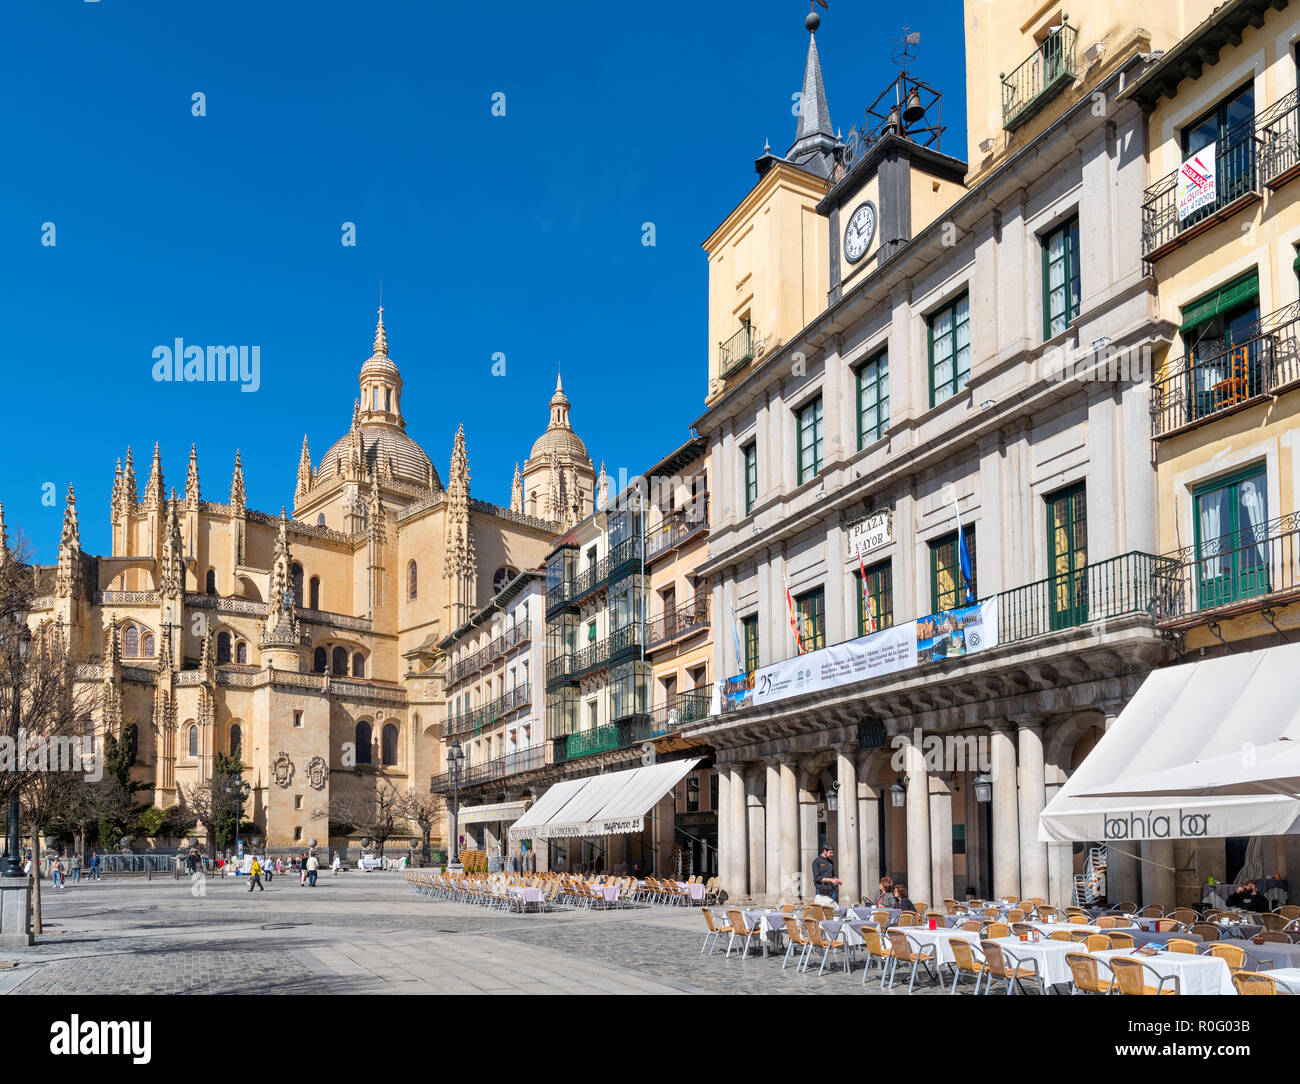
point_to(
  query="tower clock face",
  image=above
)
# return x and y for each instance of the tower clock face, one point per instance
(859, 232)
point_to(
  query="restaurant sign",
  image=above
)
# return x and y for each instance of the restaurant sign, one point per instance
(870, 533)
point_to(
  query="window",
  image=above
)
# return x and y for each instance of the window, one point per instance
(750, 452)
(412, 581)
(1230, 128)
(210, 585)
(131, 734)
(810, 611)
(388, 752)
(147, 646)
(949, 334)
(501, 577)
(223, 648)
(388, 399)
(1067, 556)
(948, 584)
(315, 592)
(320, 520)
(1060, 278)
(358, 665)
(235, 735)
(241, 653)
(1227, 353)
(296, 576)
(879, 595)
(297, 801)
(873, 400)
(810, 440)
(363, 735)
(297, 832)
(339, 663)
(749, 636)
(297, 719)
(320, 660)
(131, 642)
(1232, 538)
(194, 741)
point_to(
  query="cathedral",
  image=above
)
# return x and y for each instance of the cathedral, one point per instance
(306, 644)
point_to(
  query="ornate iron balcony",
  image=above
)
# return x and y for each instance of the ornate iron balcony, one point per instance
(736, 352)
(1034, 83)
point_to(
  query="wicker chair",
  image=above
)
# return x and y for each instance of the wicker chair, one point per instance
(965, 963)
(1252, 982)
(904, 951)
(1205, 931)
(1001, 963)
(1059, 935)
(1131, 975)
(740, 929)
(795, 936)
(996, 929)
(1121, 940)
(714, 931)
(828, 944)
(1181, 944)
(1097, 942)
(1273, 922)
(876, 950)
(1233, 955)
(1185, 915)
(1085, 971)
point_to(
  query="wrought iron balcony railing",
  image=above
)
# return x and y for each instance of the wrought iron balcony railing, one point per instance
(1262, 151)
(486, 714)
(676, 527)
(1034, 82)
(681, 710)
(1220, 375)
(526, 760)
(689, 617)
(1256, 566)
(487, 654)
(736, 352)
(601, 739)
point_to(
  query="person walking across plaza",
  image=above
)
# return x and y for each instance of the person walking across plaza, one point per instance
(75, 862)
(302, 870)
(56, 872)
(94, 865)
(269, 869)
(334, 865)
(313, 864)
(255, 876)
(825, 883)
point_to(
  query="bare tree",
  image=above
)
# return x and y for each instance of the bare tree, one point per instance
(380, 814)
(426, 810)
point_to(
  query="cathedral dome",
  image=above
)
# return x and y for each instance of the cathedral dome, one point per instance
(559, 436)
(383, 444)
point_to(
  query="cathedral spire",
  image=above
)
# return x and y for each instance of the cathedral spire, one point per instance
(814, 143)
(192, 481)
(237, 487)
(517, 491)
(602, 487)
(381, 336)
(458, 560)
(154, 494)
(173, 556)
(129, 496)
(116, 499)
(4, 537)
(304, 469)
(68, 576)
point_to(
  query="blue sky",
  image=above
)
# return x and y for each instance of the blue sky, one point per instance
(519, 234)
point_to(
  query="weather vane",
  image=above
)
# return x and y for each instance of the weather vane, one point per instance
(906, 48)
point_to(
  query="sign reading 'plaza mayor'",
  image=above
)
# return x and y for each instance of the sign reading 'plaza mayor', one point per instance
(870, 533)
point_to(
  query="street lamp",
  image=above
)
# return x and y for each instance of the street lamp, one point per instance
(455, 762)
(22, 642)
(983, 787)
(240, 792)
(898, 794)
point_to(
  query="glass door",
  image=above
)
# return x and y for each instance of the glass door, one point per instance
(1231, 539)
(1067, 552)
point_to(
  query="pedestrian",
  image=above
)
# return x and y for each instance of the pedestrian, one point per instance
(256, 876)
(302, 870)
(312, 866)
(335, 864)
(56, 872)
(269, 867)
(76, 867)
(825, 883)
(94, 865)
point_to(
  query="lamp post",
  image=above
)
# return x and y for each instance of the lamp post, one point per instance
(240, 792)
(22, 641)
(898, 794)
(455, 762)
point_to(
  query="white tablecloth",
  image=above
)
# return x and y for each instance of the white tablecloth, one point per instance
(1196, 974)
(1049, 928)
(923, 937)
(1048, 955)
(527, 895)
(1287, 978)
(696, 891)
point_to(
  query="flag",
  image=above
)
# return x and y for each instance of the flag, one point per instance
(735, 637)
(794, 624)
(866, 596)
(963, 557)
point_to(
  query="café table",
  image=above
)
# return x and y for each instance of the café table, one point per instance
(1196, 974)
(695, 891)
(1274, 953)
(1153, 937)
(1287, 978)
(526, 896)
(942, 940)
(770, 926)
(1048, 956)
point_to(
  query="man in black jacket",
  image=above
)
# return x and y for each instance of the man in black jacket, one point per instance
(825, 883)
(1248, 898)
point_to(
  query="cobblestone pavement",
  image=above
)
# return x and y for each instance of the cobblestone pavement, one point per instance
(369, 934)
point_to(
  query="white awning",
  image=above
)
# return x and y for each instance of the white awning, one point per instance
(1204, 750)
(601, 805)
(501, 811)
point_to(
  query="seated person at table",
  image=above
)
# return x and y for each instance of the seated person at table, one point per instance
(885, 897)
(1248, 898)
(900, 898)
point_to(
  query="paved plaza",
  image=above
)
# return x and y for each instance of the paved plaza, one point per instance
(369, 934)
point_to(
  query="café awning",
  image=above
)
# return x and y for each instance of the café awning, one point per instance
(601, 805)
(500, 811)
(1203, 750)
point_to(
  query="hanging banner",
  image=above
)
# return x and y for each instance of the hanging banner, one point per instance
(733, 693)
(949, 634)
(884, 652)
(1196, 182)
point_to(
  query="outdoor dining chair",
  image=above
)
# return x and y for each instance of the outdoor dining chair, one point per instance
(1275, 936)
(972, 926)
(828, 944)
(1083, 935)
(796, 938)
(1046, 913)
(1272, 922)
(1131, 975)
(876, 950)
(1233, 955)
(1121, 940)
(714, 930)
(997, 929)
(1252, 982)
(1107, 922)
(1185, 915)
(905, 951)
(1059, 935)
(1015, 915)
(1022, 928)
(1002, 963)
(1205, 931)
(1086, 976)
(1127, 906)
(1289, 911)
(1151, 910)
(1097, 942)
(966, 963)
(1078, 918)
(1181, 944)
(740, 929)
(909, 918)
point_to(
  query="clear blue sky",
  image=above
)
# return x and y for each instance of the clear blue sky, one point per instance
(519, 234)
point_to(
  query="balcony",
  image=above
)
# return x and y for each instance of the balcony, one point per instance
(1256, 568)
(595, 656)
(681, 710)
(1265, 151)
(488, 714)
(1221, 376)
(526, 760)
(675, 528)
(690, 617)
(588, 742)
(559, 669)
(736, 352)
(487, 654)
(1033, 84)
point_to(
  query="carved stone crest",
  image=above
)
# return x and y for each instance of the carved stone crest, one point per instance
(317, 770)
(282, 768)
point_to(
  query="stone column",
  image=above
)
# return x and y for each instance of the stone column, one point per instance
(847, 869)
(789, 885)
(941, 837)
(1033, 854)
(807, 841)
(757, 823)
(1157, 873)
(1006, 823)
(726, 835)
(869, 836)
(918, 824)
(772, 819)
(1123, 881)
(739, 885)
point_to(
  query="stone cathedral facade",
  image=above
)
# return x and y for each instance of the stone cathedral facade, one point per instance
(303, 642)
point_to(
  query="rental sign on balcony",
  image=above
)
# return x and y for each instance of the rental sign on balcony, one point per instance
(1196, 182)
